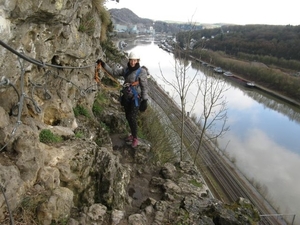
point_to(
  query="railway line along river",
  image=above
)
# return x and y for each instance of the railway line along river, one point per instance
(264, 135)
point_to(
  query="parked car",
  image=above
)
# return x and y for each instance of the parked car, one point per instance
(218, 70)
(228, 74)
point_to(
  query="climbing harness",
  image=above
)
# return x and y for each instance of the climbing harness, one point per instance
(132, 87)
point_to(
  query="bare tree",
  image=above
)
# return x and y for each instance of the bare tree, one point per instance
(214, 116)
(181, 84)
(212, 90)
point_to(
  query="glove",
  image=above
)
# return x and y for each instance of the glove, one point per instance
(101, 62)
(143, 105)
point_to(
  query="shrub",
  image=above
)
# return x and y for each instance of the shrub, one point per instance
(80, 110)
(87, 24)
(97, 109)
(105, 127)
(79, 134)
(154, 131)
(196, 183)
(46, 136)
(111, 51)
(106, 23)
(99, 104)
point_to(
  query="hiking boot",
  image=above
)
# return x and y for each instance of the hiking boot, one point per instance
(129, 138)
(135, 143)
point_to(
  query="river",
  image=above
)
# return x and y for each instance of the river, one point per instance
(264, 134)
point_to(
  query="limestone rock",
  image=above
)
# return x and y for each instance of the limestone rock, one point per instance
(12, 186)
(57, 208)
(4, 119)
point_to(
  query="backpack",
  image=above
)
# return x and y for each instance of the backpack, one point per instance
(129, 90)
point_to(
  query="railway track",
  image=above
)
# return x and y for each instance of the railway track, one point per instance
(220, 170)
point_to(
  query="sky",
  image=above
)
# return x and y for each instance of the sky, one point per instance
(215, 11)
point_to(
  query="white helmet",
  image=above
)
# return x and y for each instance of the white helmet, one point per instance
(134, 55)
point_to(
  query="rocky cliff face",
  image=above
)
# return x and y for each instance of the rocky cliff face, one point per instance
(90, 176)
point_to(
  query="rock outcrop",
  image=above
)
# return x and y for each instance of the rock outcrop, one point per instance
(90, 176)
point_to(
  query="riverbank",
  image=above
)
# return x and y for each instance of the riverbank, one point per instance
(260, 87)
(275, 94)
(269, 91)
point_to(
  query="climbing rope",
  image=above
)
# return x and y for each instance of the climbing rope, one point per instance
(97, 77)
(3, 189)
(17, 109)
(39, 63)
(19, 105)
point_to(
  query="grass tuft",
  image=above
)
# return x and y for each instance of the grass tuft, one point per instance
(87, 24)
(46, 136)
(80, 110)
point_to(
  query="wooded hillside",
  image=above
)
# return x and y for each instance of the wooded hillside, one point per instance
(276, 41)
(235, 48)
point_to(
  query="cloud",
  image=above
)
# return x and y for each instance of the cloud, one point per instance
(271, 165)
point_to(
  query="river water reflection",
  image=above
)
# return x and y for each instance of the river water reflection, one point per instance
(264, 135)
